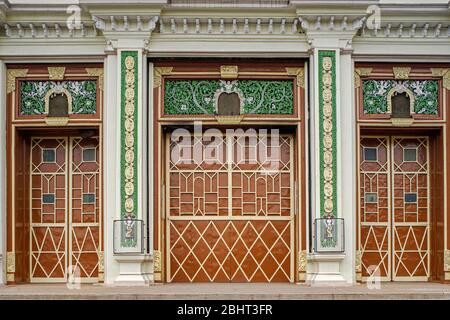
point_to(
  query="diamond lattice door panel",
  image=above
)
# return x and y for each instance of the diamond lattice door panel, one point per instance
(394, 207)
(231, 220)
(64, 212)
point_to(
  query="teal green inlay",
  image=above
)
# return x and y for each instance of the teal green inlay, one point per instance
(83, 92)
(125, 145)
(332, 55)
(257, 96)
(426, 95)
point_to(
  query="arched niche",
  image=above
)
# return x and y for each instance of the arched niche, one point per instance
(400, 103)
(58, 103)
(228, 104)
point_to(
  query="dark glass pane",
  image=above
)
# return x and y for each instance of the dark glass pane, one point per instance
(88, 198)
(409, 155)
(370, 154)
(371, 197)
(89, 155)
(410, 197)
(48, 198)
(48, 155)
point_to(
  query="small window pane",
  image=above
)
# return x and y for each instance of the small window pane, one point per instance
(88, 198)
(89, 155)
(410, 197)
(371, 197)
(48, 155)
(409, 155)
(370, 154)
(48, 198)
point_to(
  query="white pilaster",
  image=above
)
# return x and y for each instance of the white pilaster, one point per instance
(134, 268)
(2, 173)
(111, 166)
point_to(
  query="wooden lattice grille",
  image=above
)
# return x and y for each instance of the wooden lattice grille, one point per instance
(231, 219)
(394, 207)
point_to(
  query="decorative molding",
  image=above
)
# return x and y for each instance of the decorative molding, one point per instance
(444, 73)
(56, 121)
(300, 73)
(96, 72)
(401, 72)
(49, 30)
(58, 90)
(402, 122)
(216, 26)
(302, 261)
(129, 96)
(157, 265)
(10, 262)
(361, 72)
(56, 73)
(11, 75)
(439, 30)
(229, 119)
(327, 133)
(101, 262)
(447, 260)
(229, 72)
(158, 72)
(358, 261)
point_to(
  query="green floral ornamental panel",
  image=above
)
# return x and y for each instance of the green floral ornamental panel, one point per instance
(83, 92)
(200, 96)
(426, 95)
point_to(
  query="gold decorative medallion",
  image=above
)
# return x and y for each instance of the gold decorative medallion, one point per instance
(300, 73)
(96, 72)
(56, 73)
(229, 72)
(158, 72)
(401, 72)
(11, 76)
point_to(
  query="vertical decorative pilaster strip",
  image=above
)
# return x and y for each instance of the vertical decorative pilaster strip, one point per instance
(129, 133)
(327, 133)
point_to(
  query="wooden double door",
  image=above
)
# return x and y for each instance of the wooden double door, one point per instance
(230, 219)
(64, 214)
(394, 207)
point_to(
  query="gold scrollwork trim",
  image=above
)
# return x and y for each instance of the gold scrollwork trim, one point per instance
(96, 72)
(361, 72)
(401, 72)
(300, 73)
(157, 267)
(444, 73)
(302, 261)
(11, 76)
(10, 262)
(229, 72)
(447, 260)
(101, 262)
(56, 73)
(358, 265)
(158, 72)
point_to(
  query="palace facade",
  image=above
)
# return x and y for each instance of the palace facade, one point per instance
(224, 141)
